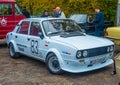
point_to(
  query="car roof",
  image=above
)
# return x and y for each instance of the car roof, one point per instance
(7, 1)
(43, 19)
(82, 14)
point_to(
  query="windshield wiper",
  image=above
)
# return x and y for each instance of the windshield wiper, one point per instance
(76, 33)
(71, 34)
(54, 33)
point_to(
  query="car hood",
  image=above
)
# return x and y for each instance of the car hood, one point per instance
(83, 42)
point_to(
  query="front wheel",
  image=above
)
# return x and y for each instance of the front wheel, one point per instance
(12, 52)
(53, 64)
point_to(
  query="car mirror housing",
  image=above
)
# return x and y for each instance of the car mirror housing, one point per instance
(40, 34)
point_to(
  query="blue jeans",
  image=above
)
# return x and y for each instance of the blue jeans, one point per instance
(97, 31)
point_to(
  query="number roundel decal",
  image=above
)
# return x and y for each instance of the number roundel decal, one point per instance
(34, 47)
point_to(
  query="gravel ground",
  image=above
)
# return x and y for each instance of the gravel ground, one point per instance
(27, 71)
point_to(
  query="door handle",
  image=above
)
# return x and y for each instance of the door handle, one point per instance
(16, 36)
(28, 39)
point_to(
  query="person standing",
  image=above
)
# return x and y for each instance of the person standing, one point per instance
(99, 22)
(54, 13)
(45, 14)
(60, 13)
(25, 12)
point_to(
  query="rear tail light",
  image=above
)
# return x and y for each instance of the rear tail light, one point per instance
(106, 33)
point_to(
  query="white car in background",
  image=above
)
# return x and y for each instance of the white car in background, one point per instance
(61, 44)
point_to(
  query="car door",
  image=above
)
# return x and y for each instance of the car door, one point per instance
(6, 18)
(10, 15)
(36, 43)
(21, 37)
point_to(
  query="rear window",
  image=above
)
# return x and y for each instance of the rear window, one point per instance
(5, 9)
(24, 27)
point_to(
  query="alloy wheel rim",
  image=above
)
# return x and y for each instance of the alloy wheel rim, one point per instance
(54, 64)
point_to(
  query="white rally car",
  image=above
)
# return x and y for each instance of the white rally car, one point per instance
(59, 43)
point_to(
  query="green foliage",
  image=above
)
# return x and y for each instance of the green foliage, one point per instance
(36, 7)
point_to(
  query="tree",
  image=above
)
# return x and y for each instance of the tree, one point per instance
(36, 7)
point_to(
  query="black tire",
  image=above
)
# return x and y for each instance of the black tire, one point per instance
(53, 64)
(12, 52)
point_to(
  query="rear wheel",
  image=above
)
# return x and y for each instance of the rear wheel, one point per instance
(53, 64)
(12, 52)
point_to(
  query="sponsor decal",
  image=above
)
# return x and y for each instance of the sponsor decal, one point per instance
(21, 49)
(64, 52)
(22, 45)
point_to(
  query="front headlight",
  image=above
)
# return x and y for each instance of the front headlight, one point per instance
(108, 49)
(78, 54)
(85, 53)
(111, 48)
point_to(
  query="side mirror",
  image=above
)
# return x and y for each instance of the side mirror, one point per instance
(40, 34)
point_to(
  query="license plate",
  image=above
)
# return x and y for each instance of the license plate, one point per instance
(96, 61)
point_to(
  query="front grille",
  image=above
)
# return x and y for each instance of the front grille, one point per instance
(97, 51)
(94, 51)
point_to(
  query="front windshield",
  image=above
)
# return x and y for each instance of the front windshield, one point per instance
(58, 26)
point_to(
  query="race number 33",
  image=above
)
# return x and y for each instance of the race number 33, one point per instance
(34, 47)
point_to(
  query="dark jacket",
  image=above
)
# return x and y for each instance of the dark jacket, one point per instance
(26, 13)
(43, 15)
(99, 22)
(55, 14)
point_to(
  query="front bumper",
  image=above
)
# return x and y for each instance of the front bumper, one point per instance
(87, 64)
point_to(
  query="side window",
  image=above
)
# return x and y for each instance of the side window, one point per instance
(5, 9)
(0, 9)
(35, 28)
(24, 28)
(17, 10)
(91, 18)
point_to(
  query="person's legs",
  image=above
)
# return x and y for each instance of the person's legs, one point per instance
(102, 32)
(97, 31)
